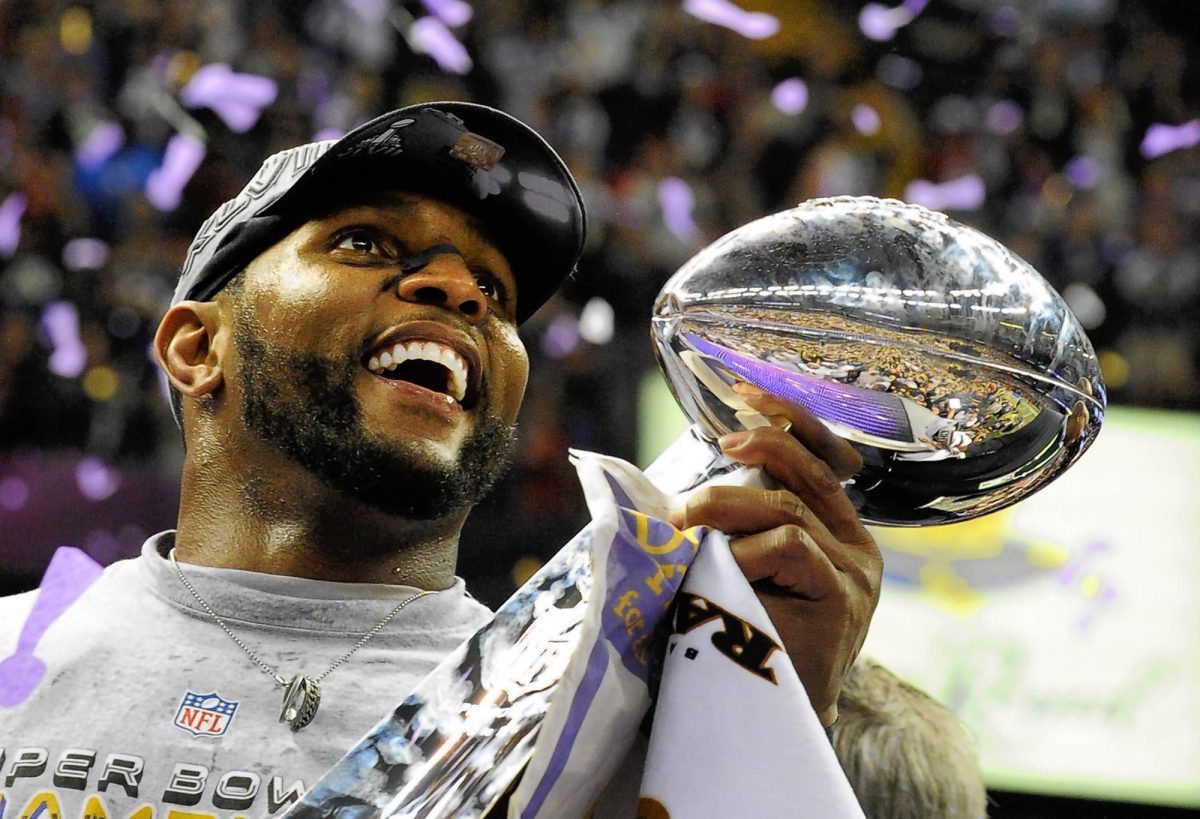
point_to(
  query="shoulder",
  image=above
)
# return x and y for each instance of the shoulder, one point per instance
(14, 610)
(72, 582)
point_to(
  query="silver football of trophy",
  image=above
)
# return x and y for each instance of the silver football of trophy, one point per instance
(952, 366)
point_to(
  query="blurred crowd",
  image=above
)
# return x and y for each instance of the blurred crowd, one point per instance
(1058, 126)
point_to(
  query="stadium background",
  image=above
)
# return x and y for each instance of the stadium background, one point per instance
(1065, 128)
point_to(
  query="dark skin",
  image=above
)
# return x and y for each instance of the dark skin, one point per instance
(814, 566)
(332, 288)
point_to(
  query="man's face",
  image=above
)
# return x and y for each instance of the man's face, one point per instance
(377, 348)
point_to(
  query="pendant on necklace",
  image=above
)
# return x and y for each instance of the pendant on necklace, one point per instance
(301, 696)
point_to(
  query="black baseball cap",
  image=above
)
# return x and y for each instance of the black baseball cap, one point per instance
(490, 164)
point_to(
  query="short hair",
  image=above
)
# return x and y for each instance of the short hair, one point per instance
(906, 755)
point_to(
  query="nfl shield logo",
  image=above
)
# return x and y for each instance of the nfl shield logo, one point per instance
(204, 715)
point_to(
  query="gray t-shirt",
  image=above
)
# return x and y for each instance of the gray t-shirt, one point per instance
(148, 710)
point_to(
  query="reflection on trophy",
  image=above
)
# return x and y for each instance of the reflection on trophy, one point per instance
(958, 373)
(953, 367)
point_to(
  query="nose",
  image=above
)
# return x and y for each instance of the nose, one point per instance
(446, 281)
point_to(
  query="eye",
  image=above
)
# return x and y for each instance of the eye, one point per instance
(491, 287)
(364, 243)
(359, 241)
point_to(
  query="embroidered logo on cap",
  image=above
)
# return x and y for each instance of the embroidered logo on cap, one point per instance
(205, 715)
(477, 151)
(387, 143)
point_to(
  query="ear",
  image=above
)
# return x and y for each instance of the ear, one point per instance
(189, 347)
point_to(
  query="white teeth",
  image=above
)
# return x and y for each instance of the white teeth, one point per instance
(427, 351)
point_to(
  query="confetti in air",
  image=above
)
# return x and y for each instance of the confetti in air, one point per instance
(84, 254)
(238, 99)
(96, 480)
(676, 199)
(1162, 139)
(1083, 171)
(60, 323)
(14, 492)
(164, 186)
(880, 23)
(790, 96)
(964, 193)
(453, 13)
(11, 211)
(866, 119)
(1004, 117)
(561, 337)
(69, 574)
(101, 143)
(754, 25)
(430, 36)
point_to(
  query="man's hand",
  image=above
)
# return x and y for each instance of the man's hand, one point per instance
(813, 565)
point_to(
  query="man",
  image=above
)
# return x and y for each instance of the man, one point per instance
(343, 352)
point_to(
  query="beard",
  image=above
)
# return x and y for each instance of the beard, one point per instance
(304, 405)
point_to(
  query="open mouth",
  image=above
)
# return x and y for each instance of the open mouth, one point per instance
(429, 364)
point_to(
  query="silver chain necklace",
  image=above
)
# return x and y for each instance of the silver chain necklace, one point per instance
(301, 693)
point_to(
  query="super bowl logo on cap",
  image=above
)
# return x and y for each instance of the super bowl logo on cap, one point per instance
(387, 143)
(205, 715)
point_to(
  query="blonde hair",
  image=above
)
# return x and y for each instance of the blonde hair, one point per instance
(906, 755)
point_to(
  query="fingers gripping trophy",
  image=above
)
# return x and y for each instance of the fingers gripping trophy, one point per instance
(952, 367)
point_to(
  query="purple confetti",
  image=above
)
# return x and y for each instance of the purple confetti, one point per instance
(101, 143)
(1162, 139)
(866, 119)
(14, 492)
(430, 35)
(790, 96)
(676, 199)
(11, 211)
(84, 254)
(95, 479)
(754, 25)
(880, 23)
(1083, 172)
(453, 13)
(67, 577)
(1004, 117)
(964, 193)
(238, 99)
(561, 336)
(326, 134)
(164, 186)
(60, 323)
